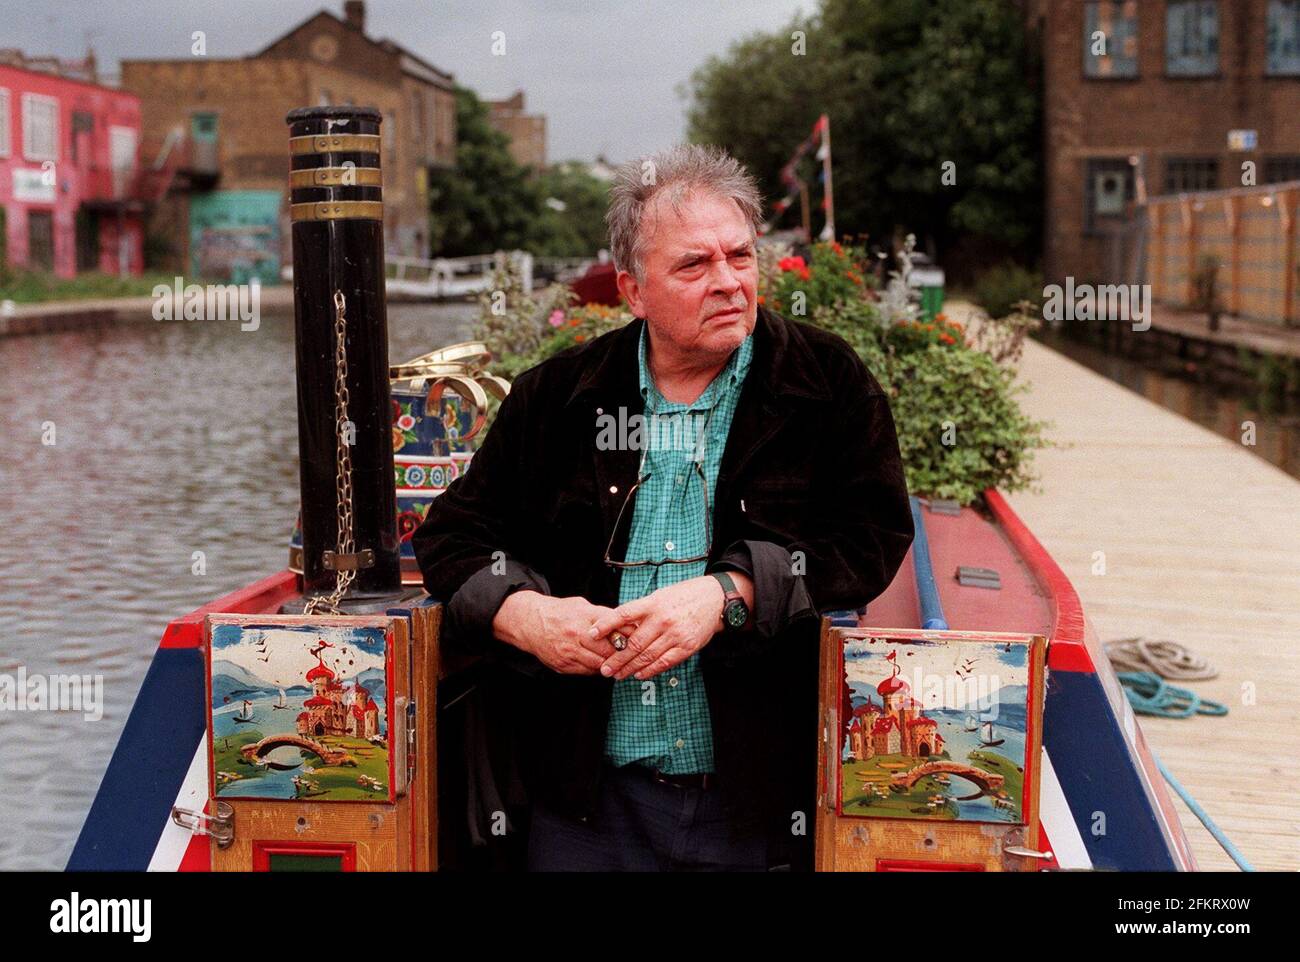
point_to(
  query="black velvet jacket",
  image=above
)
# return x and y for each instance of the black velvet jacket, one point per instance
(810, 503)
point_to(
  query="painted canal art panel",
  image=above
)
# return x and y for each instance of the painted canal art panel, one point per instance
(299, 711)
(934, 728)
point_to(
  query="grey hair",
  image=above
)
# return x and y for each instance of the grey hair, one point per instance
(679, 171)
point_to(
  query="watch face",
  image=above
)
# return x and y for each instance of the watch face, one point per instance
(737, 614)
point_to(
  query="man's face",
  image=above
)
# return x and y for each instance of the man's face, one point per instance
(700, 286)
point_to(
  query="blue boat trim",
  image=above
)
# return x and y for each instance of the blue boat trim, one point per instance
(1100, 776)
(145, 774)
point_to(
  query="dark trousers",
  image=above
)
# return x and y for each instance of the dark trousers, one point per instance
(645, 826)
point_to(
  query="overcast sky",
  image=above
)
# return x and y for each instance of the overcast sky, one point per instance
(604, 72)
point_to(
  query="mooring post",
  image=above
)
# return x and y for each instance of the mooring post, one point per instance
(336, 209)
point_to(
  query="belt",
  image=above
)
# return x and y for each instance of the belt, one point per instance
(700, 780)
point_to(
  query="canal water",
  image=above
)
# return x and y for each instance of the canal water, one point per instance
(127, 452)
(1196, 392)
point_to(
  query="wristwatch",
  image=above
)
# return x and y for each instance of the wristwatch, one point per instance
(734, 610)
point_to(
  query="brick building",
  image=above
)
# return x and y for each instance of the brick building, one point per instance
(1158, 97)
(527, 132)
(70, 181)
(228, 210)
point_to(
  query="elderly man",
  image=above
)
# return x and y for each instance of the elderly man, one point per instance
(649, 531)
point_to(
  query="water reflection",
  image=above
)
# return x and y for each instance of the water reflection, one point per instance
(171, 481)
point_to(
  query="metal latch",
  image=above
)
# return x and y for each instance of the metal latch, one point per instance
(220, 825)
(333, 561)
(1012, 845)
(411, 757)
(978, 577)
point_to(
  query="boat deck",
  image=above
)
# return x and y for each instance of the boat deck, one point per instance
(1200, 547)
(1020, 605)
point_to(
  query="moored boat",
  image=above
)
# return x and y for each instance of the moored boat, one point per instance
(171, 794)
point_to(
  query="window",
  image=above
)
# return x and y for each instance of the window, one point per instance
(40, 127)
(121, 157)
(4, 123)
(1108, 188)
(1284, 38)
(1110, 38)
(1192, 38)
(1278, 170)
(1186, 174)
(83, 129)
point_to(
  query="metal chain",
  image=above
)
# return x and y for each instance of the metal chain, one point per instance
(343, 479)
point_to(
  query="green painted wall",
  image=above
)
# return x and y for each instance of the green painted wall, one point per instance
(235, 236)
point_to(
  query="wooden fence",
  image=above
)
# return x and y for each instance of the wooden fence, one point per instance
(1250, 231)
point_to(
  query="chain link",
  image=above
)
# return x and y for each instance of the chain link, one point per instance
(343, 479)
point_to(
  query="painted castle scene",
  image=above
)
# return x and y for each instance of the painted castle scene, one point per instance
(936, 730)
(299, 712)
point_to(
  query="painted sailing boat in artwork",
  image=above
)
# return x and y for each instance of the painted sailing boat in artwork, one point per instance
(281, 702)
(245, 712)
(986, 737)
(921, 741)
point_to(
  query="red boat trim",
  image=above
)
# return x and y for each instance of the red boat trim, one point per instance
(259, 598)
(1068, 650)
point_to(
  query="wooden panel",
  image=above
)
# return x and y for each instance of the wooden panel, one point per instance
(381, 835)
(905, 815)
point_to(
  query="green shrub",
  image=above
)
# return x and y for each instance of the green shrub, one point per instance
(960, 428)
(999, 289)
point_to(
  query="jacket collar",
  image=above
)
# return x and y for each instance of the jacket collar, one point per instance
(783, 363)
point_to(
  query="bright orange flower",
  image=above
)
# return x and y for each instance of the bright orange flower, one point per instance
(579, 338)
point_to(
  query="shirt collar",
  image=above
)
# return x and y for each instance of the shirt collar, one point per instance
(728, 378)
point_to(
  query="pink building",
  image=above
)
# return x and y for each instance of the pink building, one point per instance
(70, 184)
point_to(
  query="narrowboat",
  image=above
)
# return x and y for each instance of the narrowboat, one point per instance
(295, 723)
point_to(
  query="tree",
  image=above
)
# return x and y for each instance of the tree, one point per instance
(487, 202)
(909, 85)
(579, 229)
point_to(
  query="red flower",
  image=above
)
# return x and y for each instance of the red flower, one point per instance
(804, 274)
(791, 263)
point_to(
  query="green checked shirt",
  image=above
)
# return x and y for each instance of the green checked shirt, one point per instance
(664, 723)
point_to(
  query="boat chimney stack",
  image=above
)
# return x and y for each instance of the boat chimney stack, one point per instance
(336, 210)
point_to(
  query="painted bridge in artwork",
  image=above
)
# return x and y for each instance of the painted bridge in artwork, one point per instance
(987, 781)
(330, 756)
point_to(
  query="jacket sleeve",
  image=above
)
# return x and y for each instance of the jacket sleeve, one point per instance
(860, 533)
(467, 546)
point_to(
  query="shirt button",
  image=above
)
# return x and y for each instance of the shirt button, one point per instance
(668, 546)
(672, 682)
(680, 743)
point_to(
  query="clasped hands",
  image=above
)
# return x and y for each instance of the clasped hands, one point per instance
(573, 636)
